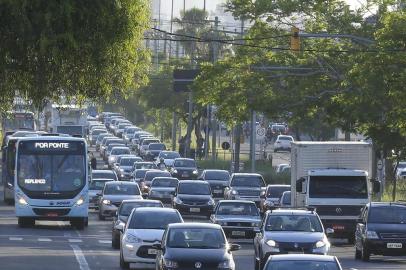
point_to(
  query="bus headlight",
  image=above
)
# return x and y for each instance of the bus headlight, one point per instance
(22, 201)
(80, 201)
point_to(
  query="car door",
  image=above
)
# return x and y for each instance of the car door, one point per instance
(259, 239)
(360, 230)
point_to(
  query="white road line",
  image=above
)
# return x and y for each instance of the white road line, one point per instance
(75, 241)
(15, 238)
(105, 241)
(80, 257)
(44, 240)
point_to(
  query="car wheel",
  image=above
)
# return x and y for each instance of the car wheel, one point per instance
(115, 241)
(101, 217)
(123, 264)
(256, 264)
(357, 254)
(365, 255)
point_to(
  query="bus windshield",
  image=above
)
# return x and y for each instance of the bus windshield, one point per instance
(57, 169)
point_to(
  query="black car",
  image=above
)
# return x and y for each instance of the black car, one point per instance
(218, 180)
(193, 198)
(194, 246)
(381, 230)
(122, 215)
(184, 168)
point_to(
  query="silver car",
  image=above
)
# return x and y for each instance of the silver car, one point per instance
(113, 194)
(96, 186)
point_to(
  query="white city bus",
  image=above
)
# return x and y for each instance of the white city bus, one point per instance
(51, 180)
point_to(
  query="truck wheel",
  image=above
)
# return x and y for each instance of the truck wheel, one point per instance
(365, 254)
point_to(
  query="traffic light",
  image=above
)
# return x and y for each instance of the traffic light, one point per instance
(295, 40)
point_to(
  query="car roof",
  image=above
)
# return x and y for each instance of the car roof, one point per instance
(396, 204)
(165, 177)
(291, 212)
(103, 179)
(156, 209)
(236, 201)
(121, 147)
(193, 225)
(246, 174)
(214, 170)
(303, 257)
(184, 159)
(102, 171)
(198, 182)
(270, 186)
(121, 183)
(141, 201)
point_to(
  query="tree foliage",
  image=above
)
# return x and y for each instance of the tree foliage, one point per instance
(65, 48)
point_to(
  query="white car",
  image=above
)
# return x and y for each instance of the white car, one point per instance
(401, 174)
(144, 228)
(283, 143)
(281, 167)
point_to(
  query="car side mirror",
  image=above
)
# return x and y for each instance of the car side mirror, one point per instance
(157, 246)
(329, 231)
(120, 227)
(299, 185)
(376, 186)
(234, 247)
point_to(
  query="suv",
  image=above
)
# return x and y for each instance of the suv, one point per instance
(381, 230)
(286, 231)
(246, 186)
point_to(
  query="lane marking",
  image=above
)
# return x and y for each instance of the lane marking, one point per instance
(105, 241)
(75, 241)
(15, 238)
(44, 240)
(80, 257)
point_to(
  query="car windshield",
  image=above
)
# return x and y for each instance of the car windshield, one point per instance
(196, 238)
(169, 155)
(127, 207)
(144, 165)
(128, 161)
(151, 175)
(217, 175)
(276, 191)
(288, 222)
(156, 146)
(120, 151)
(193, 188)
(104, 175)
(247, 181)
(121, 189)
(387, 214)
(237, 209)
(185, 163)
(338, 187)
(97, 184)
(153, 220)
(164, 182)
(302, 265)
(285, 138)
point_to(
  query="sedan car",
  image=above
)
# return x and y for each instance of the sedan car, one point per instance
(246, 186)
(239, 219)
(381, 230)
(302, 262)
(184, 168)
(195, 246)
(218, 180)
(193, 198)
(163, 189)
(113, 194)
(105, 174)
(95, 187)
(122, 214)
(290, 231)
(273, 195)
(145, 228)
(283, 143)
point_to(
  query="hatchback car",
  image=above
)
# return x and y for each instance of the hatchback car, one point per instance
(184, 168)
(290, 231)
(145, 228)
(239, 219)
(163, 189)
(218, 180)
(302, 262)
(195, 246)
(122, 214)
(113, 194)
(381, 230)
(283, 142)
(193, 198)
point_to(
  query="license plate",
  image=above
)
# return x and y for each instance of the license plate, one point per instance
(185, 174)
(152, 251)
(51, 214)
(217, 191)
(338, 227)
(237, 233)
(394, 245)
(195, 210)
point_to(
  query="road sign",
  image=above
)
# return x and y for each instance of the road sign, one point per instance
(261, 131)
(183, 78)
(225, 145)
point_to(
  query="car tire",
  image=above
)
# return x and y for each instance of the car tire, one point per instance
(25, 222)
(123, 264)
(79, 223)
(115, 241)
(256, 264)
(365, 254)
(101, 217)
(357, 254)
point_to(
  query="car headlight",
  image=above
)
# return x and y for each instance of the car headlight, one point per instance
(211, 202)
(106, 202)
(234, 192)
(170, 264)
(372, 235)
(175, 171)
(263, 193)
(178, 201)
(22, 201)
(272, 243)
(229, 264)
(80, 201)
(195, 172)
(129, 238)
(320, 244)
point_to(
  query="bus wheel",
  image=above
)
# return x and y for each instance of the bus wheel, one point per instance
(26, 222)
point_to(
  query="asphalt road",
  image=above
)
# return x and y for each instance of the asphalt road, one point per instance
(52, 245)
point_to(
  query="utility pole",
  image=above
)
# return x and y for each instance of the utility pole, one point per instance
(174, 120)
(213, 118)
(253, 140)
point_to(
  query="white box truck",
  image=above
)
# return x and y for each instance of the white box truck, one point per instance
(334, 178)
